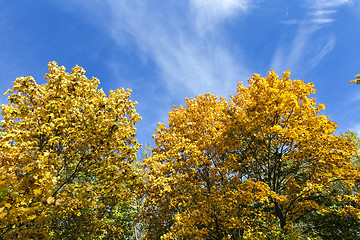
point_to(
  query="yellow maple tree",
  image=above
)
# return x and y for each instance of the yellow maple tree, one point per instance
(288, 144)
(67, 155)
(246, 168)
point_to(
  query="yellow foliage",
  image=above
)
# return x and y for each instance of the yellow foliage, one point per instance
(356, 80)
(249, 166)
(62, 144)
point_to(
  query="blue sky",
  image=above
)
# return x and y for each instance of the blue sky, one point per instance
(166, 50)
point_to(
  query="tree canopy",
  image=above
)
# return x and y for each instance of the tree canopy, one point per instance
(67, 155)
(250, 167)
(264, 164)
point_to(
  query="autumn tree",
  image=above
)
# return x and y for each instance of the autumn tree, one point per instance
(67, 157)
(250, 167)
(340, 220)
(288, 144)
(185, 195)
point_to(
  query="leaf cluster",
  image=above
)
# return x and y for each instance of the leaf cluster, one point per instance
(67, 157)
(265, 164)
(257, 166)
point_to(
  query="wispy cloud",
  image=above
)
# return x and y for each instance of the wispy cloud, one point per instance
(328, 3)
(307, 48)
(290, 22)
(186, 56)
(329, 44)
(209, 13)
(187, 60)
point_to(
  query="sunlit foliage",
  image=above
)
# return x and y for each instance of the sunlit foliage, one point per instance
(67, 156)
(264, 164)
(246, 168)
(356, 80)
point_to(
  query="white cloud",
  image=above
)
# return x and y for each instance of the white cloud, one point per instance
(328, 46)
(307, 49)
(209, 13)
(187, 62)
(328, 3)
(290, 22)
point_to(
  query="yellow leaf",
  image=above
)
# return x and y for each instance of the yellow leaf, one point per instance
(37, 192)
(50, 200)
